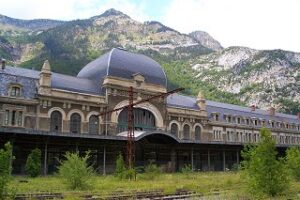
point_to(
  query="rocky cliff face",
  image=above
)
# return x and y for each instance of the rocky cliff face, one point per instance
(206, 40)
(262, 78)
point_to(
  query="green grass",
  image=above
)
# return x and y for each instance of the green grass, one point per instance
(228, 184)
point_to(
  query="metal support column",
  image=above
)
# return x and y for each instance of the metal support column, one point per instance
(192, 158)
(104, 160)
(45, 158)
(224, 161)
(76, 148)
(208, 159)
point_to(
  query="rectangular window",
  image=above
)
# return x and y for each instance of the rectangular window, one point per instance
(6, 119)
(20, 118)
(13, 118)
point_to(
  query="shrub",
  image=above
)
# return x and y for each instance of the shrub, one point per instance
(129, 174)
(121, 171)
(186, 169)
(264, 172)
(152, 171)
(293, 162)
(75, 170)
(120, 167)
(33, 163)
(5, 169)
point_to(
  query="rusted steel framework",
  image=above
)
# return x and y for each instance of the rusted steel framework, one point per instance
(130, 132)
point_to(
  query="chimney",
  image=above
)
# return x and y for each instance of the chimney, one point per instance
(253, 107)
(201, 102)
(3, 63)
(272, 111)
(298, 114)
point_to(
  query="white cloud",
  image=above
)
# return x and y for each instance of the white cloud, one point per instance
(68, 9)
(262, 24)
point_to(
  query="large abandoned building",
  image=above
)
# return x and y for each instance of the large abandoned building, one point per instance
(58, 113)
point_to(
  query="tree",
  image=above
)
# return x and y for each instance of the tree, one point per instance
(33, 163)
(264, 172)
(5, 169)
(293, 161)
(76, 170)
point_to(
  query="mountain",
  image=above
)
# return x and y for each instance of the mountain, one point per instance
(29, 25)
(264, 78)
(195, 61)
(206, 40)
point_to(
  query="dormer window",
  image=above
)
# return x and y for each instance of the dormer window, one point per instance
(238, 120)
(15, 90)
(228, 118)
(247, 121)
(217, 117)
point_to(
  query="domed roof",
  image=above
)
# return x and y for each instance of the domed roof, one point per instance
(123, 64)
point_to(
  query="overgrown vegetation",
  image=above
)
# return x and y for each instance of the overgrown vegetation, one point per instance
(152, 171)
(33, 163)
(122, 172)
(76, 171)
(264, 172)
(293, 162)
(5, 169)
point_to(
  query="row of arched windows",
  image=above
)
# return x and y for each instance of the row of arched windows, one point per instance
(75, 123)
(186, 131)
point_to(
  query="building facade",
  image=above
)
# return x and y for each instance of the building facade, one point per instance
(59, 113)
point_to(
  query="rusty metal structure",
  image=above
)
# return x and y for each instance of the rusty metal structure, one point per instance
(130, 157)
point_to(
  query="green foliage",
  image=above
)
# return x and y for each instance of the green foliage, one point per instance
(293, 161)
(120, 167)
(186, 169)
(121, 171)
(33, 163)
(152, 171)
(264, 172)
(288, 106)
(5, 169)
(129, 174)
(75, 170)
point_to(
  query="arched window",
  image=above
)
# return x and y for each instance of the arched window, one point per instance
(94, 124)
(75, 123)
(56, 121)
(186, 131)
(174, 129)
(198, 133)
(143, 120)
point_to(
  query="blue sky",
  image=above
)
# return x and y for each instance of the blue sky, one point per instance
(259, 24)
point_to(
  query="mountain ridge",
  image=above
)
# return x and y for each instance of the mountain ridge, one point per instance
(196, 61)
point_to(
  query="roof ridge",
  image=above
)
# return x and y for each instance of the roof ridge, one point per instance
(108, 62)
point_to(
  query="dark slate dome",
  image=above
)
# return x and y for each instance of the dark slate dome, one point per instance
(123, 64)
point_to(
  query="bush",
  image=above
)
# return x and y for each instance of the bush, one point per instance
(5, 169)
(121, 171)
(33, 163)
(152, 171)
(264, 172)
(120, 167)
(293, 162)
(75, 170)
(186, 169)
